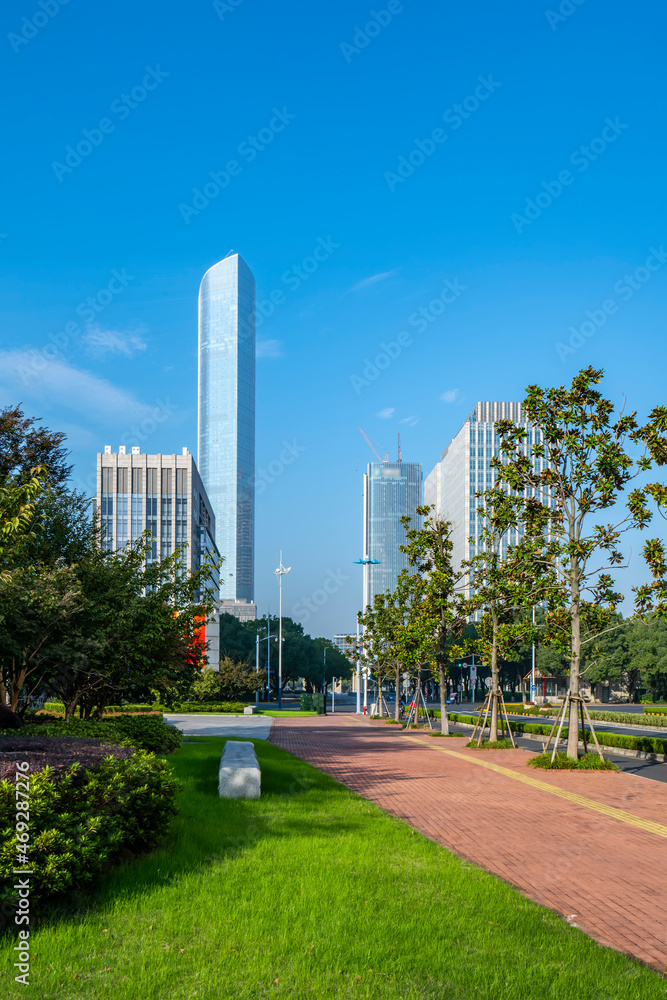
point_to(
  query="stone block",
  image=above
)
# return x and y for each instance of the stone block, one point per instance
(249, 710)
(239, 776)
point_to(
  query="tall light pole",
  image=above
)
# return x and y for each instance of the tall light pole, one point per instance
(280, 573)
(324, 680)
(532, 672)
(365, 599)
(258, 639)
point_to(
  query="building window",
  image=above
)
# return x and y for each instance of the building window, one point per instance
(151, 511)
(181, 512)
(121, 519)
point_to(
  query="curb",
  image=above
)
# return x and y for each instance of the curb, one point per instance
(659, 758)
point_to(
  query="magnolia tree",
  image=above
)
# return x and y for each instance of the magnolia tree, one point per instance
(441, 613)
(509, 574)
(589, 455)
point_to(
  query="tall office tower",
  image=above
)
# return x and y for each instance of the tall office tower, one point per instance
(162, 494)
(464, 469)
(227, 419)
(392, 490)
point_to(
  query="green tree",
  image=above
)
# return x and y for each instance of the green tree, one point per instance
(136, 631)
(231, 682)
(441, 612)
(37, 606)
(506, 580)
(589, 456)
(24, 446)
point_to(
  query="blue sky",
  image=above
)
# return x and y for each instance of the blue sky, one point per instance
(534, 199)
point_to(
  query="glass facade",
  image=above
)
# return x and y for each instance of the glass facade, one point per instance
(227, 416)
(465, 469)
(392, 490)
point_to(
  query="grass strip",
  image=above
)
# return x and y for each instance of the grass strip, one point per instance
(309, 892)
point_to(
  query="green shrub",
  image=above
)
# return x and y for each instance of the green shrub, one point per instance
(232, 707)
(503, 744)
(589, 762)
(630, 719)
(140, 731)
(80, 823)
(148, 733)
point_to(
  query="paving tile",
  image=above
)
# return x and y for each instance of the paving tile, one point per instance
(562, 854)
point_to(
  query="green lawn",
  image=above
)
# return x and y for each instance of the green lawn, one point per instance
(310, 892)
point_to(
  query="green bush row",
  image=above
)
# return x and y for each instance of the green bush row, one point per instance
(79, 826)
(632, 719)
(646, 744)
(59, 708)
(144, 732)
(232, 707)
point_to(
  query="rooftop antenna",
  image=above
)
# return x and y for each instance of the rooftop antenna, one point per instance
(399, 448)
(227, 254)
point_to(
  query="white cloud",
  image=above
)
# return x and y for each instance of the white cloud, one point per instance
(102, 342)
(386, 413)
(451, 396)
(410, 421)
(373, 280)
(269, 349)
(28, 375)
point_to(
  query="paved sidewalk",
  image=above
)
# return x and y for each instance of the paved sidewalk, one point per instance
(592, 846)
(249, 727)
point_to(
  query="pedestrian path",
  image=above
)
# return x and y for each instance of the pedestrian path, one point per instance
(249, 727)
(590, 845)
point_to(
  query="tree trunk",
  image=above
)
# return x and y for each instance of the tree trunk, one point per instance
(493, 734)
(397, 712)
(444, 721)
(575, 661)
(71, 705)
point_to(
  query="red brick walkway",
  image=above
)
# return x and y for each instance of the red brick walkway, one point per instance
(597, 856)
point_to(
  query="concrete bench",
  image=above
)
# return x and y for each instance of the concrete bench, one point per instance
(250, 710)
(239, 776)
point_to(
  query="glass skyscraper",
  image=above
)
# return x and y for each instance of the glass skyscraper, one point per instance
(227, 417)
(392, 490)
(465, 469)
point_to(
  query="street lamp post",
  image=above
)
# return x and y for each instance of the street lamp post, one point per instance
(258, 639)
(365, 600)
(280, 573)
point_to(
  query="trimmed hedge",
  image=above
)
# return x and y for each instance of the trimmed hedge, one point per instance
(630, 718)
(140, 731)
(646, 744)
(79, 827)
(232, 707)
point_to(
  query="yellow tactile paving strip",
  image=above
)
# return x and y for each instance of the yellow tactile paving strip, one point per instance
(649, 826)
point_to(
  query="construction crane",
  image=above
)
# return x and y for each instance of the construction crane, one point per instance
(372, 446)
